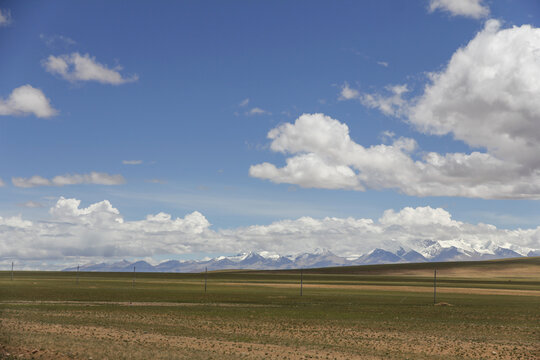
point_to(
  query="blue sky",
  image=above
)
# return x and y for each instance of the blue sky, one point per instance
(188, 92)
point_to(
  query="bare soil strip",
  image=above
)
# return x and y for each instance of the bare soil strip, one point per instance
(211, 346)
(134, 303)
(405, 288)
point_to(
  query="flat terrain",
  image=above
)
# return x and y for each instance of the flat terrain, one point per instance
(484, 310)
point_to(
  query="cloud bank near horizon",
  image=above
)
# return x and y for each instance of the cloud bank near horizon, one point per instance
(99, 232)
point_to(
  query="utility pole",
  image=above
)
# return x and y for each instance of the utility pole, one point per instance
(77, 274)
(12, 271)
(133, 283)
(301, 281)
(205, 278)
(435, 287)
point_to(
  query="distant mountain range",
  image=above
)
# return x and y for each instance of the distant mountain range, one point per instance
(430, 251)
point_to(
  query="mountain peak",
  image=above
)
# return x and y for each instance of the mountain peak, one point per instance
(318, 258)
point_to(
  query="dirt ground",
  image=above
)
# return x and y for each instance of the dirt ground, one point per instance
(414, 289)
(277, 341)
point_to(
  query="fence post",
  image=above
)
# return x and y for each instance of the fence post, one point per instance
(133, 283)
(301, 281)
(77, 274)
(205, 278)
(435, 287)
(12, 271)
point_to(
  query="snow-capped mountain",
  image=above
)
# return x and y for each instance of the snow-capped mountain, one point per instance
(420, 251)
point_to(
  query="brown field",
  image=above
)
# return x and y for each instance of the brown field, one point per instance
(490, 314)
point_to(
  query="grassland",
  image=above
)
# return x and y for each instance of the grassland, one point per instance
(485, 310)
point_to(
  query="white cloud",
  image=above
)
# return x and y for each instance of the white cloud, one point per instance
(100, 232)
(5, 17)
(2, 183)
(392, 104)
(69, 179)
(488, 95)
(52, 40)
(469, 8)
(26, 100)
(33, 181)
(348, 93)
(244, 102)
(257, 111)
(76, 67)
(323, 155)
(132, 162)
(382, 63)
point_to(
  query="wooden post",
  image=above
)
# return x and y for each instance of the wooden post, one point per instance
(12, 271)
(77, 274)
(205, 278)
(301, 281)
(435, 287)
(133, 283)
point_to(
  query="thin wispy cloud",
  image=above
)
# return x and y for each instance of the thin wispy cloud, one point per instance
(96, 178)
(244, 102)
(257, 111)
(55, 40)
(156, 181)
(5, 17)
(391, 103)
(31, 204)
(132, 162)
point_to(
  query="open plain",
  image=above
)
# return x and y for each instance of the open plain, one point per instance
(483, 310)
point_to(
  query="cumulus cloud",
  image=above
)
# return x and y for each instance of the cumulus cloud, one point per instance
(469, 8)
(69, 179)
(100, 232)
(26, 100)
(76, 67)
(5, 17)
(323, 155)
(488, 95)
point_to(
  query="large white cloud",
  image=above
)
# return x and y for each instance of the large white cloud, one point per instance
(96, 178)
(76, 67)
(100, 232)
(323, 155)
(469, 8)
(26, 100)
(487, 96)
